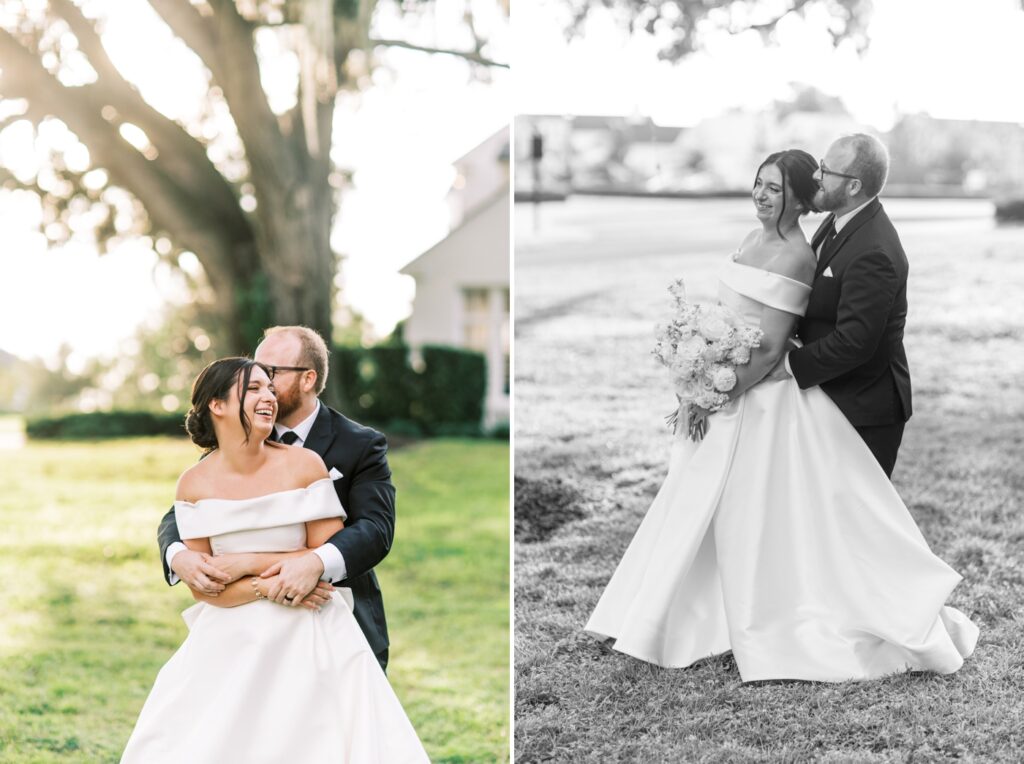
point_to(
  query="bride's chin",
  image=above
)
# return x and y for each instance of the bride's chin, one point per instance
(262, 426)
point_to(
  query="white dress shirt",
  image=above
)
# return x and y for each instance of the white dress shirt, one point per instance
(334, 563)
(840, 222)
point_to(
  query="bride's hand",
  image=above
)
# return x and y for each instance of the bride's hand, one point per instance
(319, 597)
(697, 423)
(235, 565)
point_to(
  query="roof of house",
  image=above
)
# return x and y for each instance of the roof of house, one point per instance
(415, 265)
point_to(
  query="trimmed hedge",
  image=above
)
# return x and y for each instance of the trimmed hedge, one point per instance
(444, 398)
(379, 387)
(1010, 211)
(105, 424)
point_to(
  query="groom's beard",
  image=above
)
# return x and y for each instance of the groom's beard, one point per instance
(827, 201)
(288, 400)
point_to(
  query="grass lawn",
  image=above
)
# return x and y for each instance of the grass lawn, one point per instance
(591, 451)
(86, 620)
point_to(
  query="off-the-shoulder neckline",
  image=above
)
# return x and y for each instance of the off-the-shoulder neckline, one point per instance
(252, 498)
(765, 270)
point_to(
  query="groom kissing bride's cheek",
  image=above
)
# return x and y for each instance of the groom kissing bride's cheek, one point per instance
(276, 531)
(777, 534)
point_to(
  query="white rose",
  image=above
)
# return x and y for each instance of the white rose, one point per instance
(690, 350)
(714, 327)
(723, 378)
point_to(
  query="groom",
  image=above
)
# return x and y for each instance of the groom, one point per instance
(356, 458)
(853, 329)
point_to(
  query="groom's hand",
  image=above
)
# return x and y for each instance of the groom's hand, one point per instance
(198, 572)
(296, 577)
(779, 371)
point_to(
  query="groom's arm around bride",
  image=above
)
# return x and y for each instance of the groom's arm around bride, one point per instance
(356, 457)
(853, 328)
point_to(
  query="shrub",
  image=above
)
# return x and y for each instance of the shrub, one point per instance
(1010, 211)
(105, 424)
(500, 431)
(378, 386)
(453, 385)
(445, 398)
(377, 383)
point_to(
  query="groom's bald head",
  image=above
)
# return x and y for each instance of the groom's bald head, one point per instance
(867, 160)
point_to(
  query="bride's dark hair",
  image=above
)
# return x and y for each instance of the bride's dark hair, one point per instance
(214, 383)
(797, 168)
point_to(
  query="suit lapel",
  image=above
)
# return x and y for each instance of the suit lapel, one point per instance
(849, 229)
(822, 230)
(321, 435)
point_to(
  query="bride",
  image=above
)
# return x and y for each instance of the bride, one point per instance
(776, 534)
(257, 681)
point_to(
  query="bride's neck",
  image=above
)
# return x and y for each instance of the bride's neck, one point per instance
(771, 233)
(244, 458)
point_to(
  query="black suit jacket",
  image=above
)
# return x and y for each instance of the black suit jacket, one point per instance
(853, 329)
(368, 496)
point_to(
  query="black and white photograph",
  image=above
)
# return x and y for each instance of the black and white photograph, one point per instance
(767, 404)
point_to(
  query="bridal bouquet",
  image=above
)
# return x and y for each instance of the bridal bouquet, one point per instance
(702, 345)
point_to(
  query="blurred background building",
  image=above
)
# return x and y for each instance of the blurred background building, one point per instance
(930, 156)
(462, 282)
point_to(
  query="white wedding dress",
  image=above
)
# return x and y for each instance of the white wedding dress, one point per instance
(779, 537)
(263, 682)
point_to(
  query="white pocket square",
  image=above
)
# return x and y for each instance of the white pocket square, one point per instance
(828, 273)
(335, 475)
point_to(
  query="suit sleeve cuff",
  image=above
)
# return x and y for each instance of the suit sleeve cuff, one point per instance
(172, 550)
(334, 563)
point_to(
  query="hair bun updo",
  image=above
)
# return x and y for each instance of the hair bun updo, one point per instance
(215, 383)
(199, 427)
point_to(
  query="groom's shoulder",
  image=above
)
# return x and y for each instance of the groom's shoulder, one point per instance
(351, 429)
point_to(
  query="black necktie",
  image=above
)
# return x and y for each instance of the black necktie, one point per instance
(830, 236)
(289, 437)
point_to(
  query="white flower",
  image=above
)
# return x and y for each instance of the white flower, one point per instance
(740, 355)
(691, 349)
(686, 389)
(716, 352)
(678, 291)
(714, 326)
(723, 378)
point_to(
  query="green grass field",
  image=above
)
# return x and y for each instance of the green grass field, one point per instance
(86, 620)
(591, 452)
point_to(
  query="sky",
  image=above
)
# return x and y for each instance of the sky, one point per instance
(400, 136)
(947, 57)
(950, 58)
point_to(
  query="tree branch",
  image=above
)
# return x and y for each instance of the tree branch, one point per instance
(257, 124)
(468, 55)
(768, 26)
(194, 29)
(168, 207)
(182, 157)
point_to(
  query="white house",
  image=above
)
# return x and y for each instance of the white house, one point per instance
(462, 282)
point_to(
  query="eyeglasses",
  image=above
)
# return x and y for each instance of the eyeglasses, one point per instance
(273, 370)
(826, 171)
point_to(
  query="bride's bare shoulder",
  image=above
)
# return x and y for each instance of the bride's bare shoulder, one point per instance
(305, 464)
(795, 260)
(193, 482)
(750, 240)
